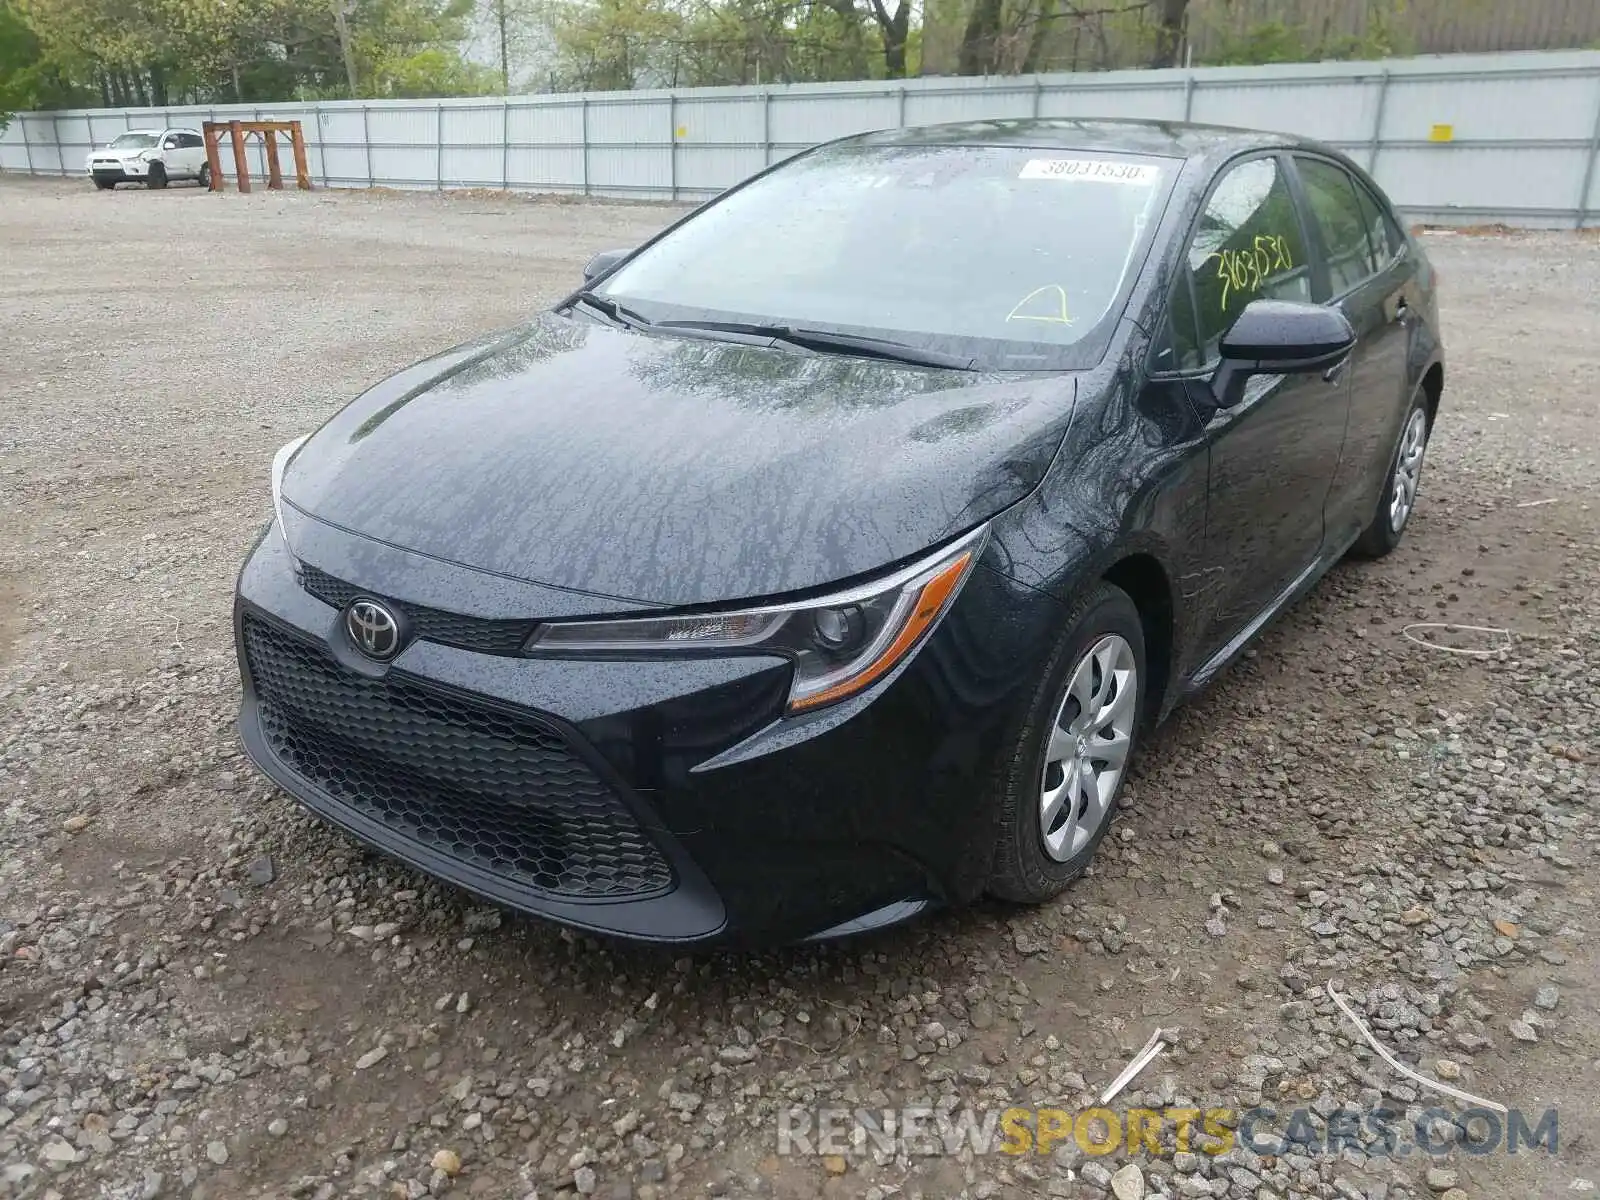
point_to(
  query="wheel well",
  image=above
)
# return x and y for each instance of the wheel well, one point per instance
(1143, 578)
(1433, 389)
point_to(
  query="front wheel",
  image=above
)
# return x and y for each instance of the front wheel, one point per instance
(205, 176)
(1058, 789)
(1399, 498)
(157, 178)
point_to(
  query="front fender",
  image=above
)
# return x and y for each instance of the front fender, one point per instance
(1128, 484)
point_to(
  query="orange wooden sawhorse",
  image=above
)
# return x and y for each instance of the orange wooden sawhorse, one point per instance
(268, 131)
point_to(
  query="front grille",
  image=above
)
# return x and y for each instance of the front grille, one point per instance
(431, 624)
(494, 792)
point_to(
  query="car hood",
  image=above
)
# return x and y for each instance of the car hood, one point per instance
(674, 471)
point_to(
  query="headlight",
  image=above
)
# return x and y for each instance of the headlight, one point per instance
(280, 464)
(840, 644)
(146, 155)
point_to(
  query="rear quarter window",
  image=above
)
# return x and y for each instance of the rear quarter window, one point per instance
(1385, 237)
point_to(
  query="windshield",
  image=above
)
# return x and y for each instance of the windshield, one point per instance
(1017, 258)
(134, 141)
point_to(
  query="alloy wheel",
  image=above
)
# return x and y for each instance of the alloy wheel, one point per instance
(1088, 748)
(1408, 470)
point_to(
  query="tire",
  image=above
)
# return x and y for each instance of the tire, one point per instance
(204, 178)
(1398, 501)
(1032, 863)
(105, 185)
(157, 178)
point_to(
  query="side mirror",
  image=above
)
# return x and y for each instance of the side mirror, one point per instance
(1279, 337)
(603, 262)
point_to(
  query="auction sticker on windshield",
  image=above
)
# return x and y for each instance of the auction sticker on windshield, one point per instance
(1102, 169)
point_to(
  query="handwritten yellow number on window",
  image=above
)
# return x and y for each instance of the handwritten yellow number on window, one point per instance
(1244, 271)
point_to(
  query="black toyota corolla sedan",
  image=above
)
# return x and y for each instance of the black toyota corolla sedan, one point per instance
(825, 557)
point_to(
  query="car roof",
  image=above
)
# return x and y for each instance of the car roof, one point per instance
(1171, 139)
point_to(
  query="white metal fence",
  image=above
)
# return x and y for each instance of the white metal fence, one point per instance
(1458, 140)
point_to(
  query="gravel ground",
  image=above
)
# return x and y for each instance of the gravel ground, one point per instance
(205, 993)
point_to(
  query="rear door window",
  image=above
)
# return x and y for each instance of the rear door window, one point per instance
(1331, 195)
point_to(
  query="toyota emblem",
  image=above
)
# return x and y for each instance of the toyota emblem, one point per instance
(373, 629)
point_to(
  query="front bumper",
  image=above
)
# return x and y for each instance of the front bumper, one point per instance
(130, 172)
(657, 800)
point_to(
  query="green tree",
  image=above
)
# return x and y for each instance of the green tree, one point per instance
(378, 48)
(615, 45)
(1002, 37)
(611, 44)
(29, 79)
(434, 71)
(514, 28)
(1382, 33)
(756, 41)
(894, 28)
(160, 52)
(1169, 32)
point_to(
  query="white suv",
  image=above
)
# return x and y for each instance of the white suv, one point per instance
(151, 157)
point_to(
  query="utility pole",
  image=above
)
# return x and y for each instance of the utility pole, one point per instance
(339, 13)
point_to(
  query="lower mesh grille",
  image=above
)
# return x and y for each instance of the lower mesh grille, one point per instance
(431, 624)
(491, 791)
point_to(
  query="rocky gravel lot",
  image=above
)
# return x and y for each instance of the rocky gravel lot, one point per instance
(205, 993)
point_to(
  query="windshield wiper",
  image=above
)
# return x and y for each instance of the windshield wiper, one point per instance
(619, 314)
(825, 340)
